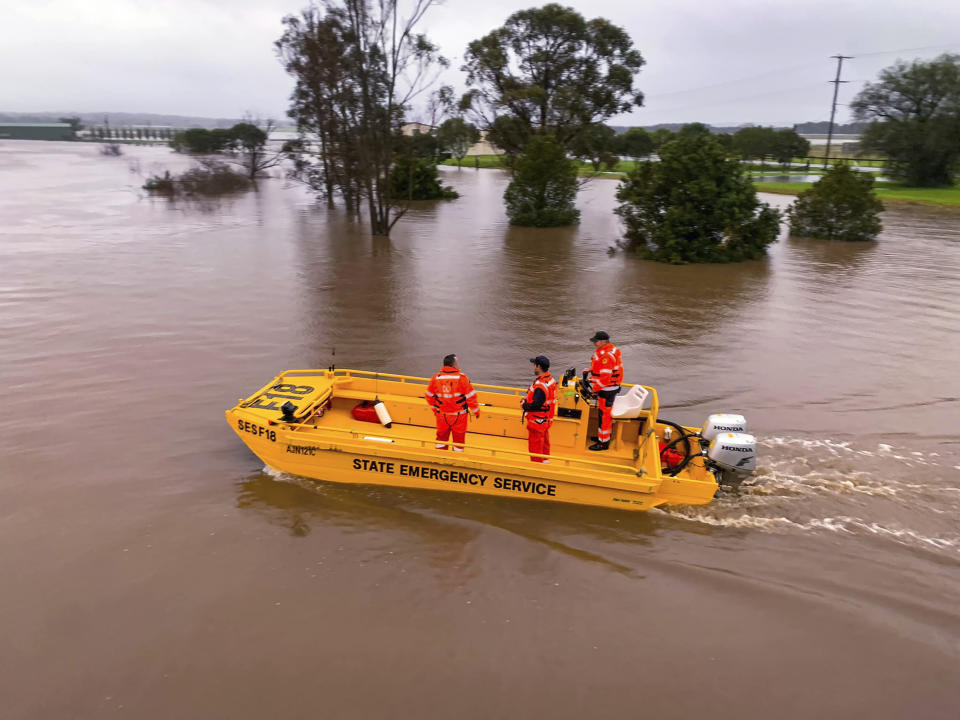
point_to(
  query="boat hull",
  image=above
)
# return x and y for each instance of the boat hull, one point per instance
(454, 472)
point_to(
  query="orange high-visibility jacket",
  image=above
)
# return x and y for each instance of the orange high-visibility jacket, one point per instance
(450, 392)
(543, 417)
(606, 369)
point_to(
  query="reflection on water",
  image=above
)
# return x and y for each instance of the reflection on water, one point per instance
(138, 568)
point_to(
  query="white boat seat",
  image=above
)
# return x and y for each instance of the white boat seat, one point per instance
(628, 406)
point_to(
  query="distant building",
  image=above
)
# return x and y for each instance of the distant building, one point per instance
(37, 131)
(416, 128)
(484, 146)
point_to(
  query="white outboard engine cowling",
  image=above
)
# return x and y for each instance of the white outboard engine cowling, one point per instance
(723, 423)
(734, 452)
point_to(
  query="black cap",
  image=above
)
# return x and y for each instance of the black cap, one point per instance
(542, 361)
(599, 335)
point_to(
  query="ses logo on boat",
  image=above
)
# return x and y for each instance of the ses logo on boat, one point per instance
(259, 430)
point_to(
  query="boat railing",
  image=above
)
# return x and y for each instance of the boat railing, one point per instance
(413, 379)
(371, 440)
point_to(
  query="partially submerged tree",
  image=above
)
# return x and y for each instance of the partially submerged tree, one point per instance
(841, 205)
(357, 64)
(249, 146)
(550, 70)
(416, 178)
(916, 112)
(695, 205)
(509, 135)
(209, 178)
(200, 141)
(456, 136)
(544, 186)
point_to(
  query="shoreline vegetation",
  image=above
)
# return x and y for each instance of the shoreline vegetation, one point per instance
(889, 192)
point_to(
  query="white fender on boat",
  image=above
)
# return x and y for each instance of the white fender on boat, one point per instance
(382, 414)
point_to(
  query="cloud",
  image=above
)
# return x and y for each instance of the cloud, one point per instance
(735, 61)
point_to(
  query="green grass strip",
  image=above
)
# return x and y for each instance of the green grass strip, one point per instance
(886, 191)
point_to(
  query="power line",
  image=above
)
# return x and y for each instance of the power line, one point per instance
(727, 83)
(729, 100)
(833, 108)
(914, 49)
(791, 68)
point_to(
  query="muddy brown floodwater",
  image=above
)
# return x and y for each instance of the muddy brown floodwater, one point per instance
(150, 567)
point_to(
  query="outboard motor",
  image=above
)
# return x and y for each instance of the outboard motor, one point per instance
(733, 452)
(723, 423)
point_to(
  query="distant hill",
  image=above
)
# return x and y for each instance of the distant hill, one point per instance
(674, 127)
(823, 127)
(719, 129)
(121, 118)
(805, 128)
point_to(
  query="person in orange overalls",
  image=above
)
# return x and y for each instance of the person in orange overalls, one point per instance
(452, 398)
(540, 407)
(606, 374)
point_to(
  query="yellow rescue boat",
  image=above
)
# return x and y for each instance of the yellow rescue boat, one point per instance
(303, 423)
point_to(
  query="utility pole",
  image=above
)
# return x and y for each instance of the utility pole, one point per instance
(833, 110)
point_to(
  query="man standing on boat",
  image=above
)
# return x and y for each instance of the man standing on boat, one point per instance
(451, 397)
(540, 407)
(606, 374)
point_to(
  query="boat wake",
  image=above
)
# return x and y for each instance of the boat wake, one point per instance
(821, 485)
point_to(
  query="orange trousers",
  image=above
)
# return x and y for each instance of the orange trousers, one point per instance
(538, 441)
(451, 423)
(605, 400)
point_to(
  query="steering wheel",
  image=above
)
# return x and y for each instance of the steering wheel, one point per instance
(688, 453)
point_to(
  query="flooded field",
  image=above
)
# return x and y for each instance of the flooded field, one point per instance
(152, 568)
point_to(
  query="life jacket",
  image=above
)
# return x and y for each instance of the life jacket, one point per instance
(606, 368)
(544, 416)
(450, 392)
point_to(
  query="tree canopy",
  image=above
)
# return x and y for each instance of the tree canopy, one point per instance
(761, 142)
(841, 205)
(634, 143)
(695, 205)
(915, 109)
(416, 178)
(357, 65)
(201, 141)
(456, 136)
(248, 143)
(544, 186)
(551, 70)
(596, 145)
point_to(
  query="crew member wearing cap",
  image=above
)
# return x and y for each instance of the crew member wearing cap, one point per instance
(606, 374)
(452, 399)
(540, 407)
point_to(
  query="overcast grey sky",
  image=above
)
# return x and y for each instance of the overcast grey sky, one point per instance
(717, 61)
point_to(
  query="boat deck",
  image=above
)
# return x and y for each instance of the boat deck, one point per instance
(499, 431)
